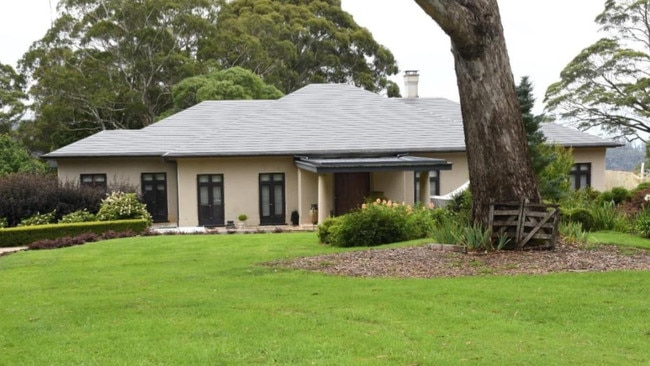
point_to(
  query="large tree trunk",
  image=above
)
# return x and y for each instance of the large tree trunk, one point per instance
(497, 152)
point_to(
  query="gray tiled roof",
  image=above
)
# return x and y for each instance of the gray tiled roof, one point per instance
(319, 119)
(555, 133)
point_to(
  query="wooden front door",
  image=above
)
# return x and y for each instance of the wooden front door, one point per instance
(154, 195)
(350, 189)
(210, 192)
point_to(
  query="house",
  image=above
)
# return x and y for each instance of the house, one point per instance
(324, 147)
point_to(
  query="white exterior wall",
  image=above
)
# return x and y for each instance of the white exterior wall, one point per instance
(240, 184)
(123, 171)
(595, 156)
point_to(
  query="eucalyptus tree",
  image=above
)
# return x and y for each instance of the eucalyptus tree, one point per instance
(12, 98)
(607, 85)
(498, 158)
(229, 84)
(107, 64)
(291, 43)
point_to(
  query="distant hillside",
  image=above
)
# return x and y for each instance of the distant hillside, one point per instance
(626, 158)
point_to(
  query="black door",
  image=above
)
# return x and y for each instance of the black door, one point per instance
(272, 201)
(210, 191)
(154, 195)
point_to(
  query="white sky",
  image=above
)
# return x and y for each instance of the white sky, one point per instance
(542, 36)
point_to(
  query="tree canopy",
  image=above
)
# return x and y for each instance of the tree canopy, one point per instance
(14, 158)
(12, 98)
(292, 43)
(112, 64)
(109, 64)
(233, 83)
(607, 85)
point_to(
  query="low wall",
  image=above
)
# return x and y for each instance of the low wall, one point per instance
(629, 180)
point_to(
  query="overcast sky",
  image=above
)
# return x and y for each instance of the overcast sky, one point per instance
(542, 36)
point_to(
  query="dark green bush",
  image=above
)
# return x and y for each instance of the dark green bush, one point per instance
(579, 215)
(377, 224)
(617, 195)
(461, 206)
(326, 228)
(23, 195)
(19, 236)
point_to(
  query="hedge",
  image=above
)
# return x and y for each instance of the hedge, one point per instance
(25, 235)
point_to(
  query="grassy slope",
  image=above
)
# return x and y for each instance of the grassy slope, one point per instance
(613, 237)
(203, 300)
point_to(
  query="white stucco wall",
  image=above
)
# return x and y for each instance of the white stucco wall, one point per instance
(121, 171)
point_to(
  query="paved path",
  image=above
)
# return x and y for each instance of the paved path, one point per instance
(11, 250)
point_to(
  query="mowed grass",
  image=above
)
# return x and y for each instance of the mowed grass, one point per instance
(622, 239)
(206, 300)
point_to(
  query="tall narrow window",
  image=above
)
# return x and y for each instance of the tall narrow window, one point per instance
(580, 175)
(94, 180)
(272, 200)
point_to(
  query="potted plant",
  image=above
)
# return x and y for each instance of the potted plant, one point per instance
(242, 220)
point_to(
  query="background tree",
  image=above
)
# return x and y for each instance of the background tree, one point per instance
(292, 43)
(109, 64)
(14, 158)
(12, 96)
(607, 85)
(499, 164)
(551, 163)
(233, 83)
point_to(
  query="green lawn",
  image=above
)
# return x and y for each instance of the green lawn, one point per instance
(204, 300)
(613, 237)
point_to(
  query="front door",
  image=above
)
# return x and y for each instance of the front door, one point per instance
(210, 189)
(272, 200)
(154, 195)
(350, 190)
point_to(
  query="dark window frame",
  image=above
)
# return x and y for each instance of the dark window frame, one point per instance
(273, 219)
(579, 170)
(93, 181)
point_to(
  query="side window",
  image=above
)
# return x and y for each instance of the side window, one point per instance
(434, 184)
(94, 180)
(580, 175)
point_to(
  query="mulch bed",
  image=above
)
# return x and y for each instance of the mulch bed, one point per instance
(428, 261)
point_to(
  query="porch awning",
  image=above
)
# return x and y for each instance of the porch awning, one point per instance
(371, 164)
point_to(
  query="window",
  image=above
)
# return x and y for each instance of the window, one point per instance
(580, 175)
(434, 184)
(94, 180)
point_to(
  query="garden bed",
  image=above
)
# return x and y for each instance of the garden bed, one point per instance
(426, 261)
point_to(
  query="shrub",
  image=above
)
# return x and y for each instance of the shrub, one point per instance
(79, 239)
(579, 215)
(606, 216)
(642, 223)
(3, 222)
(38, 219)
(23, 195)
(475, 237)
(78, 216)
(617, 195)
(18, 236)
(122, 206)
(380, 222)
(572, 233)
(461, 206)
(326, 228)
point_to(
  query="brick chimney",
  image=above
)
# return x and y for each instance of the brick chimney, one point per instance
(411, 79)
